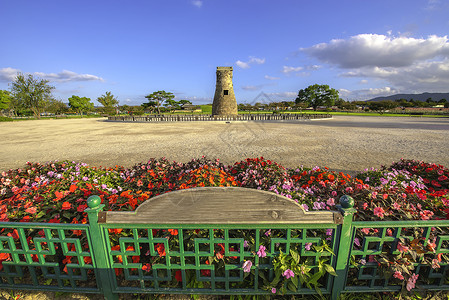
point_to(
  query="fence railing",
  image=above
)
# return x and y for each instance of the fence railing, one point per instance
(201, 240)
(243, 117)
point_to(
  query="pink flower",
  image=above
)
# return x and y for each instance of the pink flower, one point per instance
(273, 290)
(261, 252)
(357, 242)
(307, 246)
(398, 275)
(426, 214)
(268, 232)
(247, 266)
(330, 201)
(379, 212)
(412, 281)
(365, 230)
(396, 206)
(435, 264)
(288, 273)
(365, 205)
(402, 248)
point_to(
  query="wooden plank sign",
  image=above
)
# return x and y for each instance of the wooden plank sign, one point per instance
(220, 205)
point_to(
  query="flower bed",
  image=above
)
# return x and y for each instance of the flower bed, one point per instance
(56, 192)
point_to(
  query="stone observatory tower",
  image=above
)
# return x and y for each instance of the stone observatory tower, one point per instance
(224, 99)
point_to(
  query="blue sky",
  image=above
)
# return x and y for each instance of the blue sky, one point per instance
(133, 48)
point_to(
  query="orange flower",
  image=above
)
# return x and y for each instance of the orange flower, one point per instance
(66, 205)
(173, 231)
(73, 188)
(160, 248)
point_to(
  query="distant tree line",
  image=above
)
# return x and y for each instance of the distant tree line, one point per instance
(31, 96)
(322, 97)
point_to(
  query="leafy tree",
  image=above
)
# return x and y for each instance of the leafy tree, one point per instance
(108, 100)
(150, 106)
(157, 99)
(5, 99)
(172, 105)
(382, 106)
(81, 104)
(56, 106)
(182, 102)
(31, 93)
(317, 95)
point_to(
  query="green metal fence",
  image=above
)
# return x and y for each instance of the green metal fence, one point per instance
(172, 258)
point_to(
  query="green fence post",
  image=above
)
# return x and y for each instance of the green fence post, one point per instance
(99, 248)
(344, 240)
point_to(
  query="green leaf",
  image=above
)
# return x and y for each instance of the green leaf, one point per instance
(295, 255)
(294, 281)
(291, 287)
(329, 269)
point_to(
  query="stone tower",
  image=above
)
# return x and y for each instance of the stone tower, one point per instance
(224, 99)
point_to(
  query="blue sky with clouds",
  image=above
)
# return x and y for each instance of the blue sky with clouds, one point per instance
(133, 48)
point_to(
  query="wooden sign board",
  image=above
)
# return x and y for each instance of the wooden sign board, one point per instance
(220, 205)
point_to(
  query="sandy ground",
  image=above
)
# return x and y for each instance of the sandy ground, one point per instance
(343, 143)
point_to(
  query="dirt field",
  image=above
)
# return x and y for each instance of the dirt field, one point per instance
(344, 143)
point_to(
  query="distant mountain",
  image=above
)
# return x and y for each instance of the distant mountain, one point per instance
(419, 97)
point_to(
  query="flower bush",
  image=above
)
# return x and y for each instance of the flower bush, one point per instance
(56, 192)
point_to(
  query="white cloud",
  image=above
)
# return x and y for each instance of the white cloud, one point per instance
(427, 76)
(365, 94)
(379, 50)
(197, 3)
(271, 77)
(242, 64)
(288, 69)
(412, 65)
(252, 60)
(251, 87)
(9, 74)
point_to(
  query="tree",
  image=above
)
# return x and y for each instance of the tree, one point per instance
(56, 107)
(172, 105)
(382, 106)
(31, 93)
(317, 95)
(5, 99)
(108, 100)
(157, 99)
(80, 104)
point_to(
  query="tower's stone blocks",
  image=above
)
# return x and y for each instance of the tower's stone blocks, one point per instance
(224, 100)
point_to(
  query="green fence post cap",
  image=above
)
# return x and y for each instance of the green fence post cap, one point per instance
(347, 201)
(93, 201)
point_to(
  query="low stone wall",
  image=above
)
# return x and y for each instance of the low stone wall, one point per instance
(190, 118)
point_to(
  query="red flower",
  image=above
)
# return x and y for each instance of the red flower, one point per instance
(3, 257)
(73, 188)
(442, 178)
(178, 276)
(435, 183)
(31, 210)
(66, 205)
(160, 248)
(81, 207)
(146, 267)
